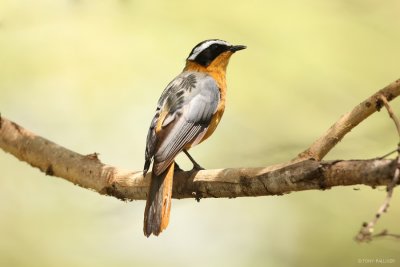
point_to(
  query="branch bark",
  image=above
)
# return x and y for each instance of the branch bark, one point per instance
(306, 172)
(347, 122)
(367, 229)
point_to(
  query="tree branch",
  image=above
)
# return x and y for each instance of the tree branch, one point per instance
(347, 122)
(365, 234)
(303, 173)
(88, 172)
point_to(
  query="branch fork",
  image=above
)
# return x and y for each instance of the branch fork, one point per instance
(305, 172)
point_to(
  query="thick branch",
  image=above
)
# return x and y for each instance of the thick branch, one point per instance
(88, 172)
(347, 122)
(302, 174)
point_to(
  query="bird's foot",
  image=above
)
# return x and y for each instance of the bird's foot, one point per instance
(177, 168)
(197, 167)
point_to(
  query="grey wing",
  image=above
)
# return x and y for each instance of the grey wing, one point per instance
(169, 95)
(191, 102)
(150, 143)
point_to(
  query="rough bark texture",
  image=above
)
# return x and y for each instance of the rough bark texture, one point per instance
(304, 173)
(339, 129)
(88, 172)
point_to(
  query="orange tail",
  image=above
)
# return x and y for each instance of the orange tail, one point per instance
(158, 205)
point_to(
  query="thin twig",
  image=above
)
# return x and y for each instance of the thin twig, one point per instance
(385, 233)
(388, 154)
(391, 113)
(365, 234)
(397, 124)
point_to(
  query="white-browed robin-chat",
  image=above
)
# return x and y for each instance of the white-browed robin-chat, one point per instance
(188, 112)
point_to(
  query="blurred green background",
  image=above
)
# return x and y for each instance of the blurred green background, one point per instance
(88, 74)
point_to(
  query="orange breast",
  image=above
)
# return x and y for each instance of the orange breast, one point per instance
(220, 108)
(217, 70)
(214, 121)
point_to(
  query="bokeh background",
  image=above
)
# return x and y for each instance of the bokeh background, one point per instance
(87, 75)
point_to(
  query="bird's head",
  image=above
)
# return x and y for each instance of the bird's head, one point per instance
(213, 52)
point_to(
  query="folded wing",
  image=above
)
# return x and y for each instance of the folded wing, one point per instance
(183, 115)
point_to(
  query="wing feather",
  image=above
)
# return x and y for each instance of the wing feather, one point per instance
(189, 103)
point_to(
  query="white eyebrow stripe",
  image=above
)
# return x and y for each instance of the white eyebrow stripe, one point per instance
(204, 46)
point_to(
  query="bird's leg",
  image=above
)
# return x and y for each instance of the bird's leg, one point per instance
(177, 168)
(196, 166)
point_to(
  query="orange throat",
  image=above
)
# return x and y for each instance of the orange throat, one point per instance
(217, 70)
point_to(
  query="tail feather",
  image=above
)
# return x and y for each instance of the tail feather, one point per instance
(158, 204)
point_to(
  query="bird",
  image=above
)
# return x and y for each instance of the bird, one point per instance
(188, 111)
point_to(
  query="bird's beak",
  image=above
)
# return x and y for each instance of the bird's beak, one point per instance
(235, 48)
